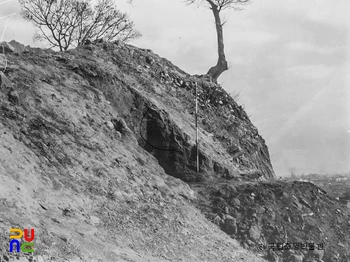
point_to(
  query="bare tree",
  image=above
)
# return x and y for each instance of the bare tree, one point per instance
(71, 22)
(217, 6)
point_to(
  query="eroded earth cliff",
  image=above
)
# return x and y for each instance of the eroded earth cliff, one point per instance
(98, 155)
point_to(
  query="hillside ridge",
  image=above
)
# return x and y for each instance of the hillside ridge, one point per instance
(73, 129)
(100, 143)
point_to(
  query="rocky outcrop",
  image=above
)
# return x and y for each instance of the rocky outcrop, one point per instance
(163, 119)
(6, 48)
(5, 83)
(95, 140)
(13, 47)
(77, 163)
(86, 139)
(269, 213)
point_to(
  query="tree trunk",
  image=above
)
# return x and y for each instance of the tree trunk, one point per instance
(221, 65)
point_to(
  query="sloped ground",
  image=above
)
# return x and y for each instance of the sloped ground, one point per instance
(91, 140)
(259, 214)
(72, 169)
(156, 99)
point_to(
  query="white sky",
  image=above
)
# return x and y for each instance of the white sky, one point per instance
(290, 59)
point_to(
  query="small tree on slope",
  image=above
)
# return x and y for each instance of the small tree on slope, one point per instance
(71, 22)
(217, 6)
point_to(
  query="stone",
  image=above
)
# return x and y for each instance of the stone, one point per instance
(118, 134)
(149, 60)
(287, 218)
(229, 174)
(229, 218)
(110, 124)
(218, 168)
(230, 226)
(13, 96)
(235, 202)
(94, 220)
(6, 48)
(272, 215)
(4, 81)
(217, 220)
(254, 232)
(252, 174)
(304, 202)
(250, 243)
(40, 259)
(121, 126)
(27, 49)
(260, 210)
(341, 244)
(18, 47)
(317, 254)
(296, 203)
(245, 245)
(226, 210)
(295, 258)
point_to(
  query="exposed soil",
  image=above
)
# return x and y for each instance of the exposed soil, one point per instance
(97, 153)
(74, 167)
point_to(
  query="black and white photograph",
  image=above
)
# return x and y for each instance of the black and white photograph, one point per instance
(174, 131)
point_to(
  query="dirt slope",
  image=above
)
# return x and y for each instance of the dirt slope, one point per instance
(279, 212)
(97, 153)
(73, 165)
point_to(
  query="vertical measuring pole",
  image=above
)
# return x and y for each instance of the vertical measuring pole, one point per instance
(197, 155)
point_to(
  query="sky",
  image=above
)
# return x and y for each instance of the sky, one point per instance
(289, 64)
